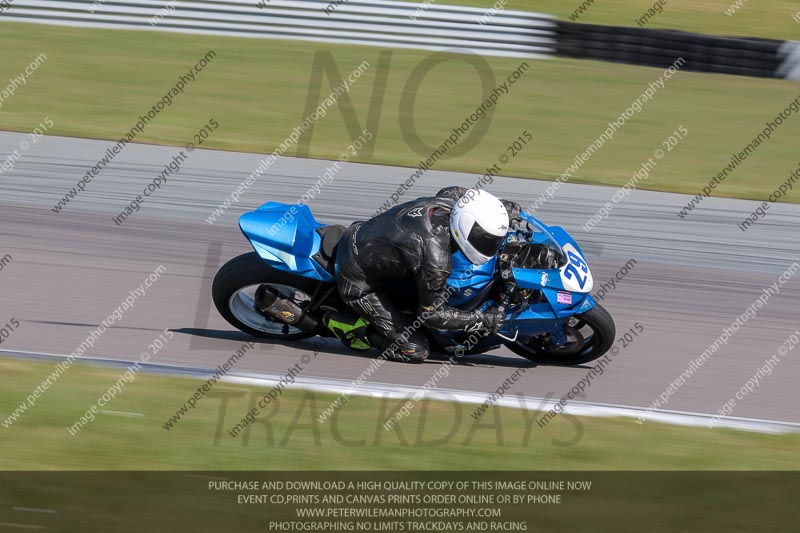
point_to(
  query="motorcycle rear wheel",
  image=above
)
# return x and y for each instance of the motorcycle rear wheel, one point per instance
(234, 289)
(596, 331)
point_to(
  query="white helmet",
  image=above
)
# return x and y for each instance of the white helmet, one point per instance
(479, 223)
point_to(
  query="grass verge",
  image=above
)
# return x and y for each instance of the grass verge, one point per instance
(130, 434)
(96, 83)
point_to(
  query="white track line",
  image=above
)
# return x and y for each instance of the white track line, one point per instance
(122, 413)
(390, 390)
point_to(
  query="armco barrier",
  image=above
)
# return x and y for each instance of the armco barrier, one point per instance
(429, 26)
(659, 48)
(368, 22)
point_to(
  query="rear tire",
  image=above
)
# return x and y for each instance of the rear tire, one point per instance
(230, 288)
(595, 346)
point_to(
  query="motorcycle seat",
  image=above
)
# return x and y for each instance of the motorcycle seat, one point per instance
(330, 235)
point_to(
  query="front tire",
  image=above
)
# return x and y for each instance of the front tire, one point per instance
(596, 331)
(234, 289)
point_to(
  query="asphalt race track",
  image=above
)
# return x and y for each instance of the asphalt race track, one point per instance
(693, 277)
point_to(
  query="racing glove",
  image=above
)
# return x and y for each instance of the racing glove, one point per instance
(513, 209)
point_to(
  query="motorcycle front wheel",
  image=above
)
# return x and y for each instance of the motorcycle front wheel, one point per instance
(589, 336)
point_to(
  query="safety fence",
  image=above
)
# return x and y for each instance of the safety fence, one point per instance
(382, 23)
(426, 25)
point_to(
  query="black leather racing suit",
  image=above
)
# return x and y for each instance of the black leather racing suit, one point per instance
(409, 241)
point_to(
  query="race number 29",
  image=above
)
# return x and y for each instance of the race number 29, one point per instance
(575, 267)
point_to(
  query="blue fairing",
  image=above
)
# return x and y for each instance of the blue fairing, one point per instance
(551, 313)
(466, 280)
(542, 317)
(285, 237)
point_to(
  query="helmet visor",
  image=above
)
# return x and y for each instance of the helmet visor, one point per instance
(484, 242)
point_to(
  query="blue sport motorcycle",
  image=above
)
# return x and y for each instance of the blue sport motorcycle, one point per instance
(539, 277)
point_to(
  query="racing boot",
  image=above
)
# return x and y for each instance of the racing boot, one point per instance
(348, 328)
(415, 349)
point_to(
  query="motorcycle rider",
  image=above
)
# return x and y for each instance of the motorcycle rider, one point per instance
(416, 240)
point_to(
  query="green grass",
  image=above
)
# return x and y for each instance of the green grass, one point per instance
(763, 18)
(96, 83)
(40, 441)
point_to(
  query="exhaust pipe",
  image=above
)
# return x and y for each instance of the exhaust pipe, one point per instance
(269, 302)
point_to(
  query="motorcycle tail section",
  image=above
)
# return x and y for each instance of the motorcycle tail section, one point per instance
(286, 237)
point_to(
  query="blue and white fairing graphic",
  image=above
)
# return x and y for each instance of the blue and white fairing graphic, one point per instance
(565, 289)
